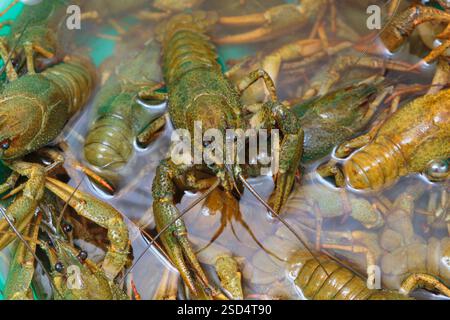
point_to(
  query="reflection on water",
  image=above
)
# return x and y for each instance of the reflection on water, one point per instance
(328, 218)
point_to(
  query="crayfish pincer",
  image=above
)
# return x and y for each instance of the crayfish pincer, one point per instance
(63, 256)
(198, 91)
(33, 110)
(408, 142)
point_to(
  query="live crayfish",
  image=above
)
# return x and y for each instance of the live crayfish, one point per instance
(199, 91)
(323, 204)
(72, 275)
(432, 25)
(292, 59)
(340, 283)
(155, 10)
(429, 258)
(407, 142)
(335, 117)
(216, 104)
(119, 118)
(404, 257)
(417, 265)
(404, 23)
(34, 108)
(276, 21)
(36, 31)
(106, 148)
(332, 279)
(92, 281)
(406, 251)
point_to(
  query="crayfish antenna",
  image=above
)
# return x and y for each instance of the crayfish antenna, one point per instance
(7, 64)
(66, 204)
(11, 5)
(232, 211)
(231, 175)
(13, 192)
(181, 215)
(283, 221)
(28, 247)
(330, 254)
(95, 177)
(252, 235)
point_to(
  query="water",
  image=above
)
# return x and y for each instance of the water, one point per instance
(266, 272)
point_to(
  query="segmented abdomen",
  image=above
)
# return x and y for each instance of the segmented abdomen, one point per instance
(75, 79)
(413, 136)
(337, 283)
(375, 165)
(196, 85)
(109, 143)
(186, 48)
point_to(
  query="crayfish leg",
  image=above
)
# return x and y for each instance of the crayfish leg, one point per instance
(423, 280)
(403, 24)
(174, 238)
(331, 169)
(254, 76)
(275, 21)
(22, 209)
(30, 49)
(21, 271)
(289, 154)
(230, 277)
(151, 132)
(5, 56)
(102, 214)
(342, 63)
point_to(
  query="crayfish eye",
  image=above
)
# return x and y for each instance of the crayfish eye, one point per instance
(83, 255)
(437, 170)
(5, 144)
(59, 267)
(67, 228)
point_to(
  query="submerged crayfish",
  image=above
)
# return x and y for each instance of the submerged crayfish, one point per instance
(34, 108)
(340, 283)
(119, 118)
(335, 117)
(407, 142)
(72, 275)
(198, 91)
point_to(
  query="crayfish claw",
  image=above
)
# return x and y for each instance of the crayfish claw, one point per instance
(102, 214)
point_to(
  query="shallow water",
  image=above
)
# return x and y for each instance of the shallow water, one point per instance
(264, 275)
